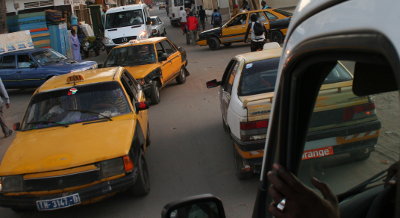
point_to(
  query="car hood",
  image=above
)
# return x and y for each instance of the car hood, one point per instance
(141, 71)
(59, 148)
(70, 66)
(214, 31)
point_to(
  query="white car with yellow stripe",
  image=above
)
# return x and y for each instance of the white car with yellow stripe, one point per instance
(342, 122)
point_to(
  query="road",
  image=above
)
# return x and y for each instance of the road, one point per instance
(190, 152)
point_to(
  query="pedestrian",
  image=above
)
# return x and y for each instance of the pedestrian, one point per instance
(216, 18)
(245, 6)
(76, 46)
(257, 34)
(4, 100)
(264, 5)
(182, 19)
(203, 17)
(193, 26)
(235, 10)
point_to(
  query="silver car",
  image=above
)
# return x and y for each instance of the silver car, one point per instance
(157, 26)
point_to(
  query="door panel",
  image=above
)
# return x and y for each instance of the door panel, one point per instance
(235, 29)
(29, 76)
(8, 72)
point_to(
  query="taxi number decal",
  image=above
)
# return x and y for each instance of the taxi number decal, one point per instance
(317, 153)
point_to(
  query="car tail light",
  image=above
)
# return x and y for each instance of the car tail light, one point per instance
(358, 111)
(254, 125)
(128, 164)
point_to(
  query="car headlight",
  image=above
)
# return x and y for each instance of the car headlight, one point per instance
(108, 41)
(111, 167)
(95, 66)
(11, 183)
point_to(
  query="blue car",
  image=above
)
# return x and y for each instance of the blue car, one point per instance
(31, 68)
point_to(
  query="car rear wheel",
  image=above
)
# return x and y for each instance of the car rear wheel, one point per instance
(181, 78)
(276, 36)
(213, 43)
(242, 169)
(142, 185)
(155, 92)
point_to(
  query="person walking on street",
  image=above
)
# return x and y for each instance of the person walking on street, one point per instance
(203, 17)
(216, 18)
(245, 6)
(193, 26)
(257, 34)
(4, 100)
(182, 19)
(264, 5)
(76, 46)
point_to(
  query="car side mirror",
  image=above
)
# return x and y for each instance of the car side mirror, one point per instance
(17, 126)
(205, 205)
(140, 106)
(163, 57)
(213, 83)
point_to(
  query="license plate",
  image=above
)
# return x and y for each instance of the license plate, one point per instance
(317, 153)
(58, 203)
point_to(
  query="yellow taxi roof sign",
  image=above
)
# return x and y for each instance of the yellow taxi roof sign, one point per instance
(75, 78)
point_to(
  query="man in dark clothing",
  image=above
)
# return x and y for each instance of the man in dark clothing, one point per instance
(216, 18)
(257, 40)
(202, 17)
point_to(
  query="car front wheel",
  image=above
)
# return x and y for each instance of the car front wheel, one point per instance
(181, 78)
(142, 185)
(213, 43)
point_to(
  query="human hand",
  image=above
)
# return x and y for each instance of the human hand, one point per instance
(300, 201)
(7, 105)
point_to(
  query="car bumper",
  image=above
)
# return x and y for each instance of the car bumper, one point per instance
(87, 195)
(202, 42)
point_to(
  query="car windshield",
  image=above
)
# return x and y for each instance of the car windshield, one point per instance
(74, 105)
(131, 56)
(48, 56)
(124, 18)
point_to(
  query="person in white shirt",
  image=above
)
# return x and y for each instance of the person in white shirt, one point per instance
(183, 20)
(257, 39)
(4, 100)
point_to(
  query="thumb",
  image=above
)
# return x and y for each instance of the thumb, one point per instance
(324, 189)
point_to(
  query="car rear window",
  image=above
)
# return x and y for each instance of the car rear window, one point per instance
(258, 77)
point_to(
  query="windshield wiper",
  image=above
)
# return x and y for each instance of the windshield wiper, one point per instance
(92, 112)
(44, 122)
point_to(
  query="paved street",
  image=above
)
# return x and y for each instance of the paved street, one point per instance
(190, 152)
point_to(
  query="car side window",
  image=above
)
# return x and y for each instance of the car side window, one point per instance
(261, 17)
(238, 20)
(270, 16)
(8, 62)
(231, 77)
(24, 61)
(127, 83)
(160, 49)
(168, 47)
(226, 72)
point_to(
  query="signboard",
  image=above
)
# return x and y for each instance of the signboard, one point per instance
(15, 41)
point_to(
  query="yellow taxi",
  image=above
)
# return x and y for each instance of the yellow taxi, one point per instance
(83, 138)
(154, 62)
(276, 21)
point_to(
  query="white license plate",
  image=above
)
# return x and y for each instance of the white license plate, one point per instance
(58, 203)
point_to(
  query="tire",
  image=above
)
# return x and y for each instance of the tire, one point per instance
(276, 36)
(181, 78)
(360, 155)
(155, 92)
(227, 44)
(239, 165)
(213, 43)
(142, 184)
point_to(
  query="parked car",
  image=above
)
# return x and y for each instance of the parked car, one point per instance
(83, 137)
(31, 68)
(321, 34)
(157, 26)
(154, 62)
(246, 94)
(276, 21)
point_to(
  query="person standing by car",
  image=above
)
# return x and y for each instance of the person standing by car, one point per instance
(182, 19)
(76, 46)
(203, 17)
(216, 18)
(264, 5)
(257, 34)
(4, 100)
(193, 26)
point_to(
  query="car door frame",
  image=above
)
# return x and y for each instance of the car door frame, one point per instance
(296, 93)
(10, 76)
(175, 60)
(226, 95)
(32, 76)
(239, 35)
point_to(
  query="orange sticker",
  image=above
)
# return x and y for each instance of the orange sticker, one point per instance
(317, 153)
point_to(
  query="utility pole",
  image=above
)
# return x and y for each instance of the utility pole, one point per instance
(3, 17)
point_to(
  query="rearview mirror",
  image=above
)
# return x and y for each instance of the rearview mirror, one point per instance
(213, 83)
(140, 106)
(17, 126)
(205, 206)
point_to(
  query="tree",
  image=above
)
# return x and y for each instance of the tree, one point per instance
(3, 17)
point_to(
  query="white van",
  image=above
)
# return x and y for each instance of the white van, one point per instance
(126, 23)
(173, 11)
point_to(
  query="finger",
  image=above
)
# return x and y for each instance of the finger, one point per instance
(325, 190)
(289, 178)
(275, 211)
(279, 185)
(275, 194)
